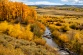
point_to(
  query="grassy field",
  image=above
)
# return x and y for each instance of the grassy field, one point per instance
(12, 46)
(57, 12)
(66, 27)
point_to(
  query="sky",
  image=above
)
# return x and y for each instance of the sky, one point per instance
(51, 2)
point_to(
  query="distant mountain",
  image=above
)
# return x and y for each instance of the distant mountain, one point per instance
(40, 6)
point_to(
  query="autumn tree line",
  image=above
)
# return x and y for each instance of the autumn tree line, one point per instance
(15, 10)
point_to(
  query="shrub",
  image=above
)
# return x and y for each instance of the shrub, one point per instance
(37, 30)
(58, 24)
(3, 26)
(77, 36)
(56, 34)
(23, 47)
(41, 26)
(14, 30)
(73, 26)
(81, 53)
(40, 41)
(8, 51)
(28, 34)
(64, 38)
(53, 27)
(65, 28)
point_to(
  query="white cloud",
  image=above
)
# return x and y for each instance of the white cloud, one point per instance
(16, 0)
(79, 1)
(74, 1)
(37, 3)
(43, 3)
(64, 0)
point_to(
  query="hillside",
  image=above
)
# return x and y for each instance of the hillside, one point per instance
(13, 46)
(20, 31)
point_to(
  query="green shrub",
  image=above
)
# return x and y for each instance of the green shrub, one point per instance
(37, 30)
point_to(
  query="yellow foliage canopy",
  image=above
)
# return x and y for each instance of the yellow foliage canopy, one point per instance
(3, 26)
(40, 41)
(64, 38)
(15, 10)
(76, 36)
(16, 30)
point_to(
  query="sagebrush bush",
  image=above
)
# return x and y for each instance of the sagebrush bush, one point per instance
(39, 41)
(56, 34)
(64, 38)
(37, 29)
(8, 51)
(58, 24)
(23, 47)
(54, 27)
(73, 26)
(65, 27)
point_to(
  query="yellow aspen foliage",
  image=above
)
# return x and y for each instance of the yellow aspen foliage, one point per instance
(28, 27)
(15, 30)
(41, 31)
(3, 26)
(56, 34)
(28, 34)
(65, 27)
(40, 41)
(41, 25)
(20, 32)
(31, 21)
(53, 27)
(15, 10)
(33, 13)
(76, 36)
(10, 28)
(64, 38)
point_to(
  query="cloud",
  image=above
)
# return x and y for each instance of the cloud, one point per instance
(43, 3)
(74, 1)
(37, 2)
(79, 2)
(16, 0)
(64, 0)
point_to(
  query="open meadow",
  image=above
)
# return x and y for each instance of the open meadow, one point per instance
(66, 26)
